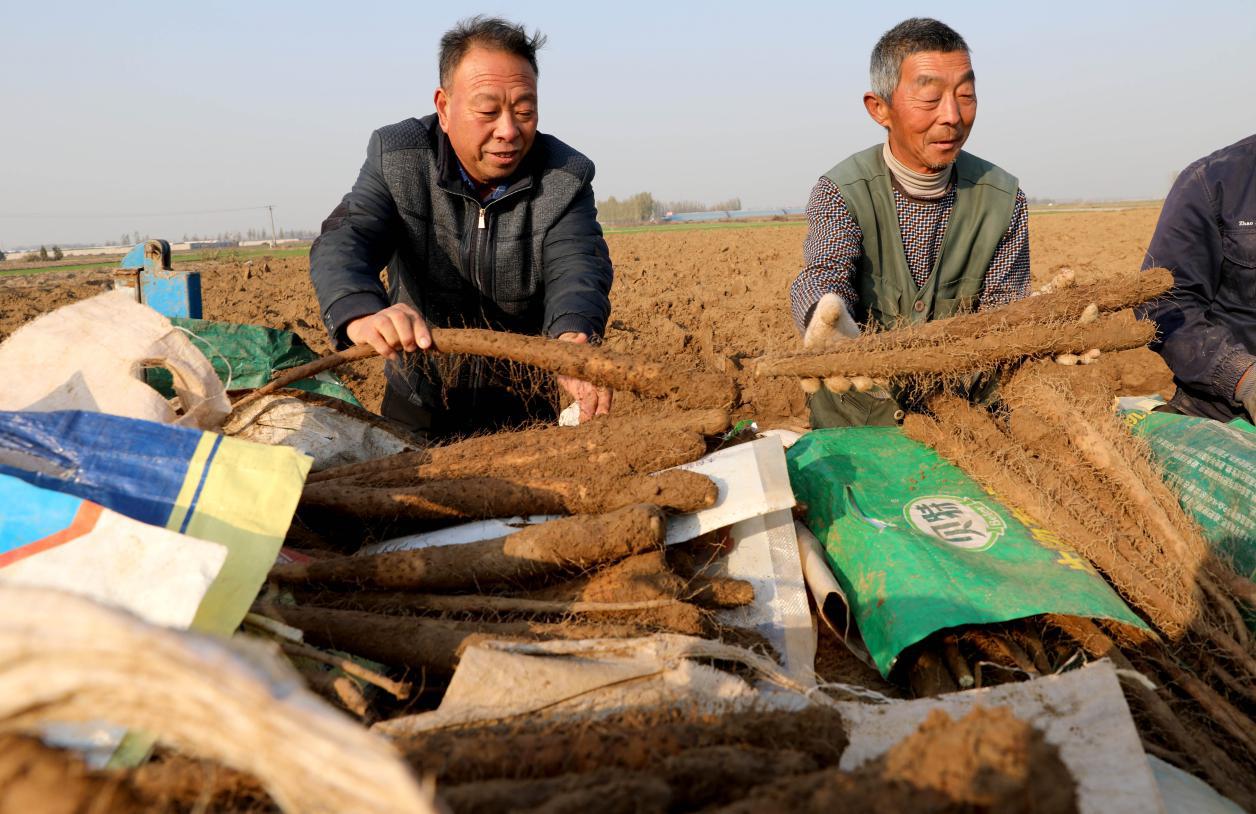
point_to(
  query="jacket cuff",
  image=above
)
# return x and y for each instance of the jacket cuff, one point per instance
(1229, 370)
(575, 323)
(348, 308)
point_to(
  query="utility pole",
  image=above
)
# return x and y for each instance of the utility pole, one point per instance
(274, 238)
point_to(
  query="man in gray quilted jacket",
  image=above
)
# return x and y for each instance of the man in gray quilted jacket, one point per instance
(482, 222)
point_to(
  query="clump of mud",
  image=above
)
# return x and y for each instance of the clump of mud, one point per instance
(989, 760)
(37, 778)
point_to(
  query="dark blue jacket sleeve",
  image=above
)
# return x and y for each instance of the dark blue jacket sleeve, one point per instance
(356, 242)
(577, 270)
(1203, 353)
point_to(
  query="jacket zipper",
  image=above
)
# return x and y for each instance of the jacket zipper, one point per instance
(476, 264)
(481, 230)
(476, 375)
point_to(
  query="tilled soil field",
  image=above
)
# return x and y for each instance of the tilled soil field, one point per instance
(706, 298)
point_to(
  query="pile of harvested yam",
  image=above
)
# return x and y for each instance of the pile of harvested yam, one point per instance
(1056, 451)
(598, 569)
(379, 629)
(1051, 447)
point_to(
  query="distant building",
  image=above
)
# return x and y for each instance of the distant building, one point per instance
(212, 244)
(735, 214)
(96, 251)
(280, 241)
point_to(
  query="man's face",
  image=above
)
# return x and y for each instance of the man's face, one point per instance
(489, 112)
(932, 110)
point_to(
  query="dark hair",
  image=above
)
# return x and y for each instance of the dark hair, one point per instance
(909, 37)
(493, 33)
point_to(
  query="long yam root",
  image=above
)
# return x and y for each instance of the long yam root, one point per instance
(1059, 309)
(1063, 306)
(639, 578)
(664, 615)
(598, 442)
(641, 455)
(1119, 331)
(434, 645)
(476, 754)
(482, 604)
(471, 498)
(585, 362)
(566, 544)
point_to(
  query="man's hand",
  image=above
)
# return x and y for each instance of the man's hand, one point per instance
(593, 400)
(397, 327)
(1246, 393)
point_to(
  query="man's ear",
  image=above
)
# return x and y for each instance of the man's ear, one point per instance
(442, 108)
(877, 108)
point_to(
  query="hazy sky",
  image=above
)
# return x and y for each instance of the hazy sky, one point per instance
(127, 116)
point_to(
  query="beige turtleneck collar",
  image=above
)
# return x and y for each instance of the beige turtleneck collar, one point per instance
(927, 186)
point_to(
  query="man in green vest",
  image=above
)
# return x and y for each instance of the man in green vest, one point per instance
(910, 230)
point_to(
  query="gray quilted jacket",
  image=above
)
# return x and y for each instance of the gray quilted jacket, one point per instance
(533, 261)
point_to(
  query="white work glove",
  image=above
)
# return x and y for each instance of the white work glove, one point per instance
(1089, 315)
(831, 324)
(1064, 278)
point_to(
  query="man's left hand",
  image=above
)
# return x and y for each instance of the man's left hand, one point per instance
(593, 400)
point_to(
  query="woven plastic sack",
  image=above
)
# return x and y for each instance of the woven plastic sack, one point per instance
(918, 546)
(224, 490)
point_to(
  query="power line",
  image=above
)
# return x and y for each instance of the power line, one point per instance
(44, 216)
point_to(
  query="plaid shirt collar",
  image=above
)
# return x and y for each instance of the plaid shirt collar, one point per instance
(485, 193)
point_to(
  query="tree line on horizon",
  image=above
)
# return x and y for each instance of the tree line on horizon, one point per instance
(42, 254)
(253, 234)
(643, 208)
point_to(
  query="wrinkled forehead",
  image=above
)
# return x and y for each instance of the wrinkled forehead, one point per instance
(944, 68)
(482, 70)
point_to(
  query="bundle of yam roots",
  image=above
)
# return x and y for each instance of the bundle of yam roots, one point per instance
(597, 570)
(1051, 447)
(1048, 445)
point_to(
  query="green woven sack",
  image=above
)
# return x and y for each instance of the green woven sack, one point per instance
(918, 546)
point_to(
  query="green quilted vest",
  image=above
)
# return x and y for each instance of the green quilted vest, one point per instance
(984, 199)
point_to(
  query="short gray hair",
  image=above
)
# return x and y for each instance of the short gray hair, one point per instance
(911, 36)
(493, 33)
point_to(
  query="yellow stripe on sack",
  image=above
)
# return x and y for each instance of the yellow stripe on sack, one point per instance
(246, 503)
(191, 481)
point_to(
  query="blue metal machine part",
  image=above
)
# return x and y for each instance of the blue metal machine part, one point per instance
(146, 268)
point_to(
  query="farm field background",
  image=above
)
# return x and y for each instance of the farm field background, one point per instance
(708, 296)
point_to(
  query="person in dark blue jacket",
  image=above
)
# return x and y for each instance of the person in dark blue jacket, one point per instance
(1206, 236)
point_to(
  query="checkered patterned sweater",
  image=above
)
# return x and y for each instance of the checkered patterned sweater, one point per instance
(834, 242)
